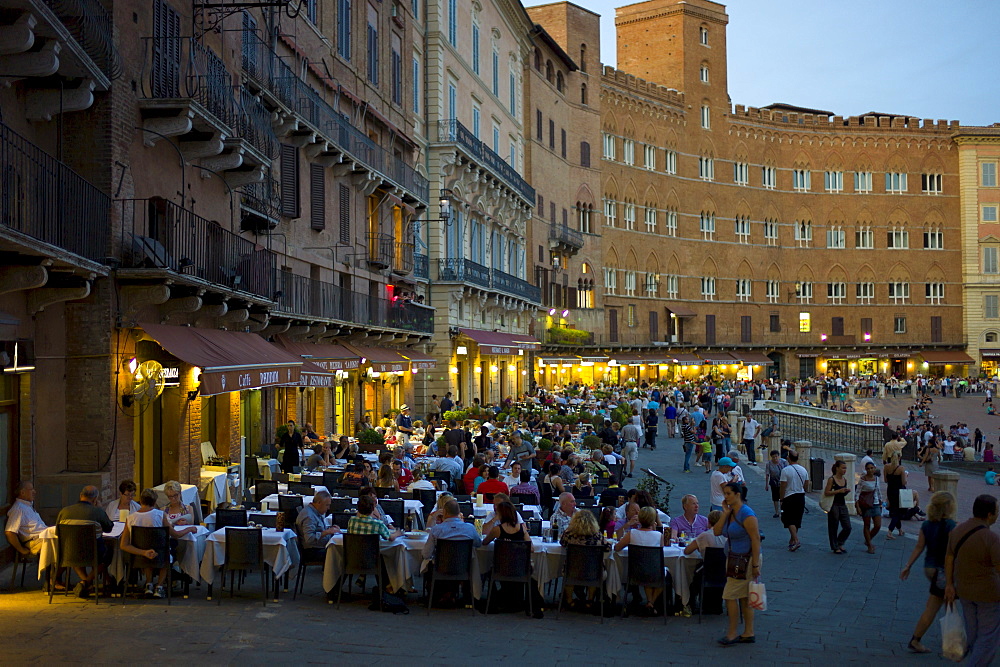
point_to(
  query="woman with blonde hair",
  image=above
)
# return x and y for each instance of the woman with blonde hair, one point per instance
(646, 535)
(387, 478)
(583, 530)
(178, 514)
(934, 534)
(437, 516)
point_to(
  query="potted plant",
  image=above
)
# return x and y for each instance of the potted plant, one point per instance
(592, 442)
(370, 440)
(658, 491)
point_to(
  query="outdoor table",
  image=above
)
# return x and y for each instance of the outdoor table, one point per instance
(214, 488)
(47, 556)
(190, 551)
(400, 561)
(252, 515)
(412, 507)
(281, 552)
(681, 568)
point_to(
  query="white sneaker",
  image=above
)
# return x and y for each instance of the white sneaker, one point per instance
(160, 592)
(149, 590)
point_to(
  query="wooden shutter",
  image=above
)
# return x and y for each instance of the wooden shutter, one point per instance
(289, 181)
(166, 66)
(837, 326)
(775, 323)
(654, 333)
(584, 154)
(746, 329)
(613, 325)
(538, 124)
(563, 144)
(936, 333)
(866, 325)
(552, 134)
(572, 299)
(710, 330)
(317, 196)
(345, 214)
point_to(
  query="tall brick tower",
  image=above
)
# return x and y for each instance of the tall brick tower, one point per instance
(676, 43)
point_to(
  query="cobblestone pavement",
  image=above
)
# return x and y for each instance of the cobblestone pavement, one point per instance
(823, 607)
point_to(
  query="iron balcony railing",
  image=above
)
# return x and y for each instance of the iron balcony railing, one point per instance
(92, 28)
(829, 433)
(402, 260)
(266, 70)
(261, 203)
(566, 235)
(254, 125)
(43, 198)
(467, 271)
(381, 248)
(421, 267)
(303, 296)
(452, 131)
(184, 68)
(159, 234)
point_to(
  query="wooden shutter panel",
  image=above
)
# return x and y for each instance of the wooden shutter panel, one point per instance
(345, 214)
(572, 298)
(746, 329)
(837, 326)
(317, 196)
(710, 330)
(654, 333)
(289, 181)
(613, 325)
(936, 332)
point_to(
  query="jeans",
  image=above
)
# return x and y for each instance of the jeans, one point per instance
(751, 450)
(838, 518)
(982, 627)
(688, 448)
(895, 519)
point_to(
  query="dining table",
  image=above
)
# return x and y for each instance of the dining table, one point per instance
(281, 553)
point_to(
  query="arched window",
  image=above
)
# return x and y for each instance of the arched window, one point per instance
(991, 338)
(550, 71)
(583, 93)
(583, 58)
(538, 60)
(560, 82)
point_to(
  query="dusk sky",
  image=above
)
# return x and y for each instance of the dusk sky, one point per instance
(916, 58)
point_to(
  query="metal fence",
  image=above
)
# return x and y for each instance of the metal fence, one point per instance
(157, 233)
(829, 433)
(453, 131)
(91, 26)
(46, 200)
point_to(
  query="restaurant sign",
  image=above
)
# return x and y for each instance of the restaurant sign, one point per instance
(220, 382)
(316, 380)
(497, 349)
(336, 364)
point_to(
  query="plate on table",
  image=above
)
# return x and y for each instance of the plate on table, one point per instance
(415, 534)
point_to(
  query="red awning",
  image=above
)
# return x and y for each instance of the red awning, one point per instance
(497, 342)
(944, 358)
(419, 360)
(381, 359)
(754, 358)
(325, 355)
(685, 359)
(229, 360)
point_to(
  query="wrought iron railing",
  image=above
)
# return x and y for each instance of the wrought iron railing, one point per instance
(421, 267)
(266, 70)
(451, 269)
(402, 260)
(380, 249)
(263, 200)
(43, 198)
(254, 124)
(92, 27)
(184, 68)
(566, 235)
(514, 285)
(157, 233)
(453, 131)
(303, 296)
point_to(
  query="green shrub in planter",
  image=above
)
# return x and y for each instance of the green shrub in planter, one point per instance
(370, 440)
(592, 442)
(458, 415)
(545, 444)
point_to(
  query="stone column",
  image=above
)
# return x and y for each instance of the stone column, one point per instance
(737, 436)
(945, 480)
(913, 389)
(784, 395)
(850, 392)
(850, 460)
(798, 394)
(881, 390)
(803, 449)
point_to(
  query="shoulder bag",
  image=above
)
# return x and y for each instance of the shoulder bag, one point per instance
(737, 564)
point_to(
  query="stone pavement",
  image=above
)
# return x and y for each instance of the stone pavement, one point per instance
(853, 605)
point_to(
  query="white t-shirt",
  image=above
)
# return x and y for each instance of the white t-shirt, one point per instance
(709, 539)
(796, 476)
(750, 427)
(645, 538)
(716, 481)
(150, 519)
(949, 446)
(865, 460)
(421, 484)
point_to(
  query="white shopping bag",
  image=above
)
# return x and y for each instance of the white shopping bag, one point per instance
(906, 499)
(758, 595)
(953, 639)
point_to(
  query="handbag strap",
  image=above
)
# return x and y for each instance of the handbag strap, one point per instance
(964, 538)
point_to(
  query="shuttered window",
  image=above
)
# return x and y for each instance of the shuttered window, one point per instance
(710, 330)
(584, 154)
(345, 214)
(837, 326)
(746, 329)
(937, 335)
(166, 66)
(654, 332)
(317, 196)
(613, 325)
(289, 181)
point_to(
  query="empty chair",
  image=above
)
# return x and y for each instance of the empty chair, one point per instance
(264, 488)
(245, 552)
(341, 504)
(331, 480)
(443, 476)
(76, 547)
(280, 477)
(583, 566)
(463, 498)
(534, 527)
(290, 506)
(313, 479)
(524, 499)
(713, 574)
(452, 562)
(396, 509)
(385, 492)
(465, 508)
(645, 568)
(361, 557)
(586, 502)
(266, 520)
(511, 562)
(226, 517)
(300, 488)
(251, 470)
(341, 519)
(157, 539)
(428, 498)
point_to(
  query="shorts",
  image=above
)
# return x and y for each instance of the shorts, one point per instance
(872, 512)
(775, 490)
(631, 451)
(736, 589)
(706, 457)
(932, 574)
(792, 508)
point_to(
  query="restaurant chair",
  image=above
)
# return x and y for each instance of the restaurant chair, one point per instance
(341, 519)
(264, 488)
(313, 479)
(76, 546)
(396, 509)
(440, 476)
(616, 470)
(306, 557)
(466, 508)
(428, 498)
(646, 569)
(362, 556)
(266, 520)
(290, 507)
(713, 574)
(488, 498)
(596, 511)
(157, 539)
(340, 504)
(331, 480)
(251, 470)
(586, 502)
(387, 492)
(301, 488)
(245, 552)
(452, 562)
(225, 518)
(280, 477)
(524, 499)
(511, 562)
(534, 527)
(463, 498)
(248, 501)
(583, 566)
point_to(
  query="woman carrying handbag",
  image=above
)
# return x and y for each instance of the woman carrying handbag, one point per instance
(869, 504)
(837, 516)
(739, 525)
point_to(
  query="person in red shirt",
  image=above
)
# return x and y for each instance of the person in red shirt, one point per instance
(493, 483)
(403, 476)
(469, 478)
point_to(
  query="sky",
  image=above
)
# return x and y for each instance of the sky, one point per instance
(921, 58)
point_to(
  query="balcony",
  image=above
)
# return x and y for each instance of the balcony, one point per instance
(309, 119)
(159, 235)
(45, 200)
(260, 205)
(381, 248)
(303, 297)
(563, 238)
(402, 260)
(452, 131)
(91, 27)
(504, 282)
(421, 267)
(463, 271)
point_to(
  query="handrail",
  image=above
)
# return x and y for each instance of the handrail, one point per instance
(451, 269)
(453, 131)
(92, 27)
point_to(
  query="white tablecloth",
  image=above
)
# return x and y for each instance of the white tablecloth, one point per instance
(214, 488)
(47, 556)
(530, 511)
(189, 496)
(281, 552)
(681, 569)
(191, 551)
(412, 506)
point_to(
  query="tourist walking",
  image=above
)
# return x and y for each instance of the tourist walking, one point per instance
(869, 504)
(630, 447)
(838, 517)
(934, 538)
(772, 477)
(895, 481)
(687, 432)
(739, 525)
(794, 484)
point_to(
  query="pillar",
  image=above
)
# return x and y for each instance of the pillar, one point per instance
(798, 394)
(945, 480)
(881, 390)
(803, 449)
(913, 389)
(783, 394)
(850, 391)
(851, 461)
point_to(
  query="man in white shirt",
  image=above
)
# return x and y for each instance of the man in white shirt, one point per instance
(751, 429)
(24, 524)
(794, 484)
(723, 475)
(866, 459)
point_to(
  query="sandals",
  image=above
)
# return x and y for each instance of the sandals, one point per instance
(915, 646)
(795, 547)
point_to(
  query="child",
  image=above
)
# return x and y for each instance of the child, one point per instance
(991, 477)
(990, 410)
(706, 455)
